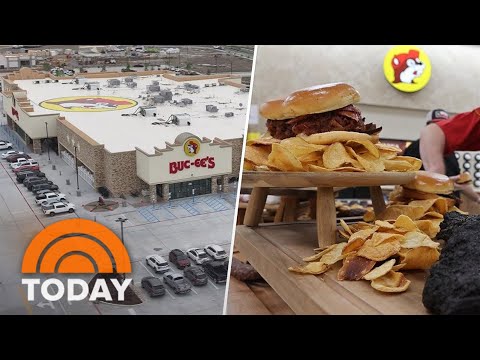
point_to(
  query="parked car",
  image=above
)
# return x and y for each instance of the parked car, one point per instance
(39, 181)
(199, 256)
(179, 258)
(49, 196)
(5, 145)
(30, 179)
(40, 192)
(33, 167)
(153, 286)
(216, 270)
(14, 157)
(11, 152)
(158, 263)
(216, 252)
(196, 275)
(37, 187)
(52, 201)
(177, 282)
(58, 208)
(19, 162)
(24, 175)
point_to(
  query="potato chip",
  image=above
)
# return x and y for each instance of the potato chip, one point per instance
(367, 160)
(397, 165)
(336, 156)
(312, 157)
(353, 246)
(283, 159)
(382, 237)
(363, 234)
(334, 255)
(299, 147)
(332, 137)
(267, 140)
(320, 253)
(380, 252)
(369, 216)
(415, 194)
(355, 267)
(248, 165)
(392, 282)
(357, 145)
(314, 268)
(257, 154)
(390, 148)
(425, 204)
(429, 227)
(345, 226)
(349, 169)
(414, 239)
(380, 270)
(392, 212)
(432, 214)
(344, 234)
(398, 267)
(361, 226)
(415, 163)
(442, 204)
(454, 208)
(404, 222)
(421, 258)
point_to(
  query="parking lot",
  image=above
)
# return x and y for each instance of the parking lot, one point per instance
(158, 229)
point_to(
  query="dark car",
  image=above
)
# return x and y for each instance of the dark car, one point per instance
(177, 283)
(153, 286)
(179, 258)
(13, 158)
(196, 275)
(35, 188)
(38, 181)
(21, 176)
(216, 270)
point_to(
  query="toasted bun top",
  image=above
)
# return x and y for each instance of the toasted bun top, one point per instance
(273, 110)
(317, 99)
(431, 183)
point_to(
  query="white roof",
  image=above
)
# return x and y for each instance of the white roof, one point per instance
(123, 133)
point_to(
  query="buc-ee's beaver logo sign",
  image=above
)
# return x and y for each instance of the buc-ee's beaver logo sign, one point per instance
(191, 147)
(88, 103)
(407, 68)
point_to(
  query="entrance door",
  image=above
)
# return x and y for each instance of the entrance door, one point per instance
(184, 189)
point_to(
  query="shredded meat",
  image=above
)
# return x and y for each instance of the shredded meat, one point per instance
(348, 118)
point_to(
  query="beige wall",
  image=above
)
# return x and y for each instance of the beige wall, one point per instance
(454, 84)
(154, 169)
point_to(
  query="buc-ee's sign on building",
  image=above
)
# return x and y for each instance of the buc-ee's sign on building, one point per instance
(189, 159)
(407, 68)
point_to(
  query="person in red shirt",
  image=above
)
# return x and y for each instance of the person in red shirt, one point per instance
(458, 133)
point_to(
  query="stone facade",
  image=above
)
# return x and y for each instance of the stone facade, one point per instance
(153, 193)
(165, 191)
(37, 146)
(121, 173)
(237, 146)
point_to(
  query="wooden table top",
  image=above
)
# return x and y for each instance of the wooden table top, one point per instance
(272, 248)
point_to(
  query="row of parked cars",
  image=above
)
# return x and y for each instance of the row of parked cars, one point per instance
(28, 173)
(213, 262)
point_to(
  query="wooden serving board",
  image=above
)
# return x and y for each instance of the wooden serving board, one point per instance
(326, 179)
(272, 248)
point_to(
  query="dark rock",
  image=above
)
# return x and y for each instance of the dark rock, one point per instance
(453, 286)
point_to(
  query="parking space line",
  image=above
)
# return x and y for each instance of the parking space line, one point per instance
(211, 282)
(194, 290)
(169, 293)
(132, 311)
(26, 303)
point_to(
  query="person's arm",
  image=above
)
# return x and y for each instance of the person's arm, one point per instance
(469, 191)
(432, 145)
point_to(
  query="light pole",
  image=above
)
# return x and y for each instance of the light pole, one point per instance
(121, 220)
(76, 167)
(48, 145)
(220, 188)
(169, 199)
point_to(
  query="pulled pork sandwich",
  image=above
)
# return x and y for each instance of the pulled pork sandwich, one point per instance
(316, 109)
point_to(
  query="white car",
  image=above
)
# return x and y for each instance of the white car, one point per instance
(158, 263)
(197, 255)
(52, 201)
(40, 199)
(216, 252)
(17, 164)
(58, 208)
(5, 145)
(11, 152)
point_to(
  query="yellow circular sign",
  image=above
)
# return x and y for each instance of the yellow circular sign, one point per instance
(88, 103)
(407, 68)
(191, 147)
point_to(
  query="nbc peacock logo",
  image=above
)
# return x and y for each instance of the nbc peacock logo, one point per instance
(76, 246)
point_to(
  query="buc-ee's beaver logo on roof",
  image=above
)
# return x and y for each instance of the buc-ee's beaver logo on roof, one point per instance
(407, 68)
(88, 103)
(191, 146)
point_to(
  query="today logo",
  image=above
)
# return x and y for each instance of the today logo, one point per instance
(76, 246)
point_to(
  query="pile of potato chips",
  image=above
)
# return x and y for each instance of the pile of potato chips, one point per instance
(426, 210)
(375, 252)
(332, 151)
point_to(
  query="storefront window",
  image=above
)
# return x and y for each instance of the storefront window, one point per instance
(185, 189)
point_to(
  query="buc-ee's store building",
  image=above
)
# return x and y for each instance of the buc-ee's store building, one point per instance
(171, 136)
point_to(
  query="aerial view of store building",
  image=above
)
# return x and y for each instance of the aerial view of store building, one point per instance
(129, 133)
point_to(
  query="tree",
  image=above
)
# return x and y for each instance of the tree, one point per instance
(146, 67)
(104, 68)
(47, 66)
(189, 66)
(208, 72)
